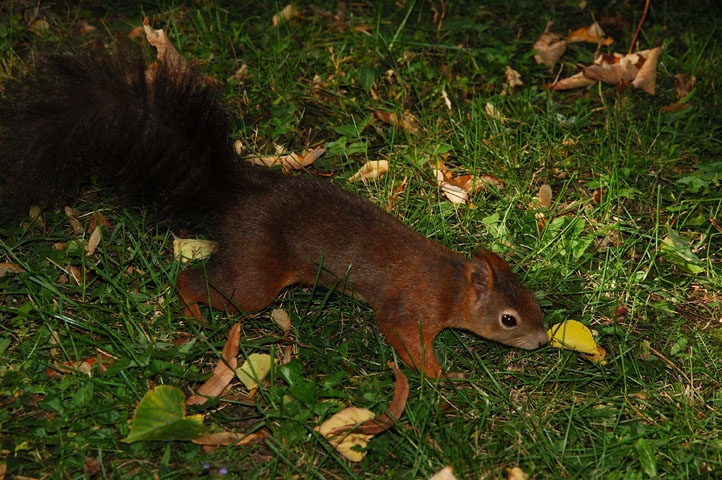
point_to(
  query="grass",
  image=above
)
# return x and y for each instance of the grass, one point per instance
(624, 175)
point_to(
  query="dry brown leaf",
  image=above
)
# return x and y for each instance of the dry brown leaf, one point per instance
(683, 84)
(550, 47)
(93, 241)
(282, 319)
(639, 69)
(370, 171)
(230, 438)
(646, 79)
(517, 473)
(6, 268)
(190, 249)
(397, 191)
(513, 79)
(240, 75)
(75, 273)
(97, 219)
(166, 51)
(36, 215)
(40, 25)
(238, 147)
(101, 360)
(491, 110)
(398, 403)
(446, 473)
(447, 102)
(287, 13)
(354, 426)
(592, 33)
(74, 222)
(545, 195)
(457, 189)
(291, 161)
(224, 372)
(406, 121)
(84, 27)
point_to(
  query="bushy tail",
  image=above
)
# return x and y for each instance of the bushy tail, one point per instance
(158, 135)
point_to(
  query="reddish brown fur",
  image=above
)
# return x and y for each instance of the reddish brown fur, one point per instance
(279, 235)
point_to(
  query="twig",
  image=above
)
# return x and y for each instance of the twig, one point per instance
(639, 27)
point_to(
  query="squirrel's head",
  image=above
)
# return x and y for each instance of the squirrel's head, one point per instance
(503, 309)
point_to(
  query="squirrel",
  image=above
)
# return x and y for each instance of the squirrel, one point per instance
(159, 136)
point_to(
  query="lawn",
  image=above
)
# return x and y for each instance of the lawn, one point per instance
(629, 245)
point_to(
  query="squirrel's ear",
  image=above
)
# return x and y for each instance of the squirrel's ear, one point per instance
(491, 258)
(482, 275)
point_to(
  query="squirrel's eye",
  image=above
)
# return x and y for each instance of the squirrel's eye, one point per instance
(508, 321)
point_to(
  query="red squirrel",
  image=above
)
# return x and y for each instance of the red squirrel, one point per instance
(162, 138)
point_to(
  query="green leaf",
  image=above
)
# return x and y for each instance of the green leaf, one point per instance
(646, 457)
(679, 345)
(676, 251)
(367, 75)
(160, 415)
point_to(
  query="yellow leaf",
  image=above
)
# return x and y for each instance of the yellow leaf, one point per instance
(370, 170)
(187, 249)
(254, 369)
(446, 473)
(345, 442)
(572, 335)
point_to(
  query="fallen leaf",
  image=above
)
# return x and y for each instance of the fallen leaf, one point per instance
(100, 361)
(240, 74)
(592, 33)
(545, 195)
(40, 25)
(397, 191)
(224, 372)
(683, 84)
(74, 272)
(6, 268)
(573, 335)
(74, 222)
(166, 52)
(447, 102)
(549, 46)
(254, 369)
(238, 147)
(190, 249)
(517, 473)
(230, 438)
(646, 79)
(406, 121)
(84, 27)
(345, 442)
(287, 13)
(638, 69)
(291, 161)
(457, 189)
(513, 79)
(160, 415)
(282, 319)
(370, 171)
(36, 215)
(446, 473)
(398, 403)
(93, 241)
